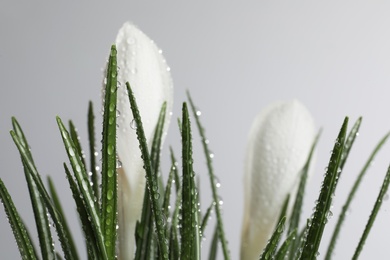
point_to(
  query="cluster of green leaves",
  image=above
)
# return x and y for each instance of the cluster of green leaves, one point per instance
(163, 232)
(304, 244)
(96, 203)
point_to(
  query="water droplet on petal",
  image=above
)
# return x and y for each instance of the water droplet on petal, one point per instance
(133, 124)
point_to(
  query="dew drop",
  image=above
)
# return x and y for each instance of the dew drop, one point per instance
(110, 194)
(112, 107)
(110, 149)
(133, 124)
(71, 151)
(118, 164)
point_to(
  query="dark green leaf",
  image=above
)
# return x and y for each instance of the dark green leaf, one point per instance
(324, 201)
(58, 206)
(350, 198)
(76, 140)
(214, 245)
(297, 208)
(282, 252)
(23, 240)
(189, 215)
(206, 218)
(82, 180)
(39, 208)
(90, 239)
(109, 174)
(57, 218)
(92, 151)
(151, 177)
(270, 248)
(374, 212)
(216, 198)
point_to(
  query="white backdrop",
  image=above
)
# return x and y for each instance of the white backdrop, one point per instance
(235, 59)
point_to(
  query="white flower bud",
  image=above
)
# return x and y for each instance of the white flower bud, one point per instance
(140, 63)
(279, 144)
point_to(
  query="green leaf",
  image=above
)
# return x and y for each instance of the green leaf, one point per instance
(151, 177)
(76, 140)
(270, 248)
(167, 196)
(38, 205)
(351, 195)
(374, 212)
(176, 172)
(190, 248)
(90, 239)
(23, 240)
(283, 212)
(214, 245)
(109, 174)
(57, 218)
(157, 138)
(324, 201)
(216, 199)
(282, 252)
(206, 217)
(85, 188)
(174, 247)
(144, 230)
(58, 206)
(92, 151)
(297, 208)
(350, 141)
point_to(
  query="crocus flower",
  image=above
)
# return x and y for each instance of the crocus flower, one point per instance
(140, 63)
(279, 144)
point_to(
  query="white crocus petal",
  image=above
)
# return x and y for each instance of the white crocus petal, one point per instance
(279, 144)
(140, 63)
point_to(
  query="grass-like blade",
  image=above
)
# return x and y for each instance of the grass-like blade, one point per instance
(297, 207)
(282, 252)
(324, 201)
(38, 206)
(109, 175)
(174, 252)
(214, 245)
(92, 151)
(283, 212)
(151, 177)
(23, 240)
(206, 218)
(374, 212)
(167, 196)
(85, 188)
(56, 217)
(176, 171)
(351, 195)
(92, 249)
(57, 203)
(189, 218)
(76, 140)
(216, 199)
(353, 133)
(157, 138)
(144, 230)
(270, 248)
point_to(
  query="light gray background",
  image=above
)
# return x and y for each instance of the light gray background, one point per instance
(235, 59)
